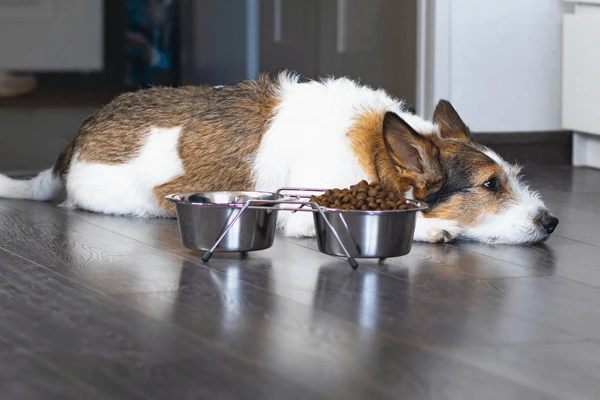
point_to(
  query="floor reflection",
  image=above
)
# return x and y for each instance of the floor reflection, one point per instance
(292, 337)
(364, 296)
(538, 259)
(223, 291)
(125, 265)
(469, 260)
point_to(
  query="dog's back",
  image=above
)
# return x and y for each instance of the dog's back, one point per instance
(143, 145)
(259, 134)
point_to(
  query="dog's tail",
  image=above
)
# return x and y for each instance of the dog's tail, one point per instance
(45, 186)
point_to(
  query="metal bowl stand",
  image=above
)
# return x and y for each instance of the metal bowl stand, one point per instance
(260, 204)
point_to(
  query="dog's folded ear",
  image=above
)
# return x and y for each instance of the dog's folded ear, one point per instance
(408, 149)
(450, 123)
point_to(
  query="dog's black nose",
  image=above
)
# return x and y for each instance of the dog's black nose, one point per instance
(548, 221)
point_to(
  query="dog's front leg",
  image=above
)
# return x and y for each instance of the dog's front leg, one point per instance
(436, 230)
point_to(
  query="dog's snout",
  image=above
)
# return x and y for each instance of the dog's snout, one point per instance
(548, 221)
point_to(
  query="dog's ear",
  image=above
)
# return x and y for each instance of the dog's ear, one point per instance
(408, 149)
(416, 157)
(450, 123)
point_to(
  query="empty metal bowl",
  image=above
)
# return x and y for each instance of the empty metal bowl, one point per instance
(203, 217)
(368, 234)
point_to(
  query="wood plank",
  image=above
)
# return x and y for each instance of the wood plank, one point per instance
(313, 343)
(88, 254)
(123, 353)
(539, 366)
(25, 377)
(566, 179)
(552, 302)
(567, 258)
(433, 262)
(577, 221)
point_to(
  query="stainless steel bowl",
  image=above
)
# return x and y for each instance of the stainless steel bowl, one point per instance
(368, 234)
(203, 216)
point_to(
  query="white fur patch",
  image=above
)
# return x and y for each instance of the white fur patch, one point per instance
(307, 143)
(127, 189)
(494, 156)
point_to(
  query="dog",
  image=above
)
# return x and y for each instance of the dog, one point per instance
(278, 131)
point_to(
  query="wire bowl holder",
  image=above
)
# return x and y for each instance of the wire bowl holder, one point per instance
(396, 227)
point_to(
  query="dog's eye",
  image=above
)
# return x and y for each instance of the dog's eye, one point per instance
(492, 184)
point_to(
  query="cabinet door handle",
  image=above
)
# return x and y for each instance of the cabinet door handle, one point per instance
(342, 9)
(277, 21)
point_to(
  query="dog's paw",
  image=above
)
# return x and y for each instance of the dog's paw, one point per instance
(445, 236)
(435, 230)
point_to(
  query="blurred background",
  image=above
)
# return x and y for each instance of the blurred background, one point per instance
(501, 63)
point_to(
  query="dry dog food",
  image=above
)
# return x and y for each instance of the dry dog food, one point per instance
(362, 196)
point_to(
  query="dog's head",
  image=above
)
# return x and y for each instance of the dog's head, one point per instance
(466, 182)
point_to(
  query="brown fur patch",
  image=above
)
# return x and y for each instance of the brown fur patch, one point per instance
(217, 150)
(221, 129)
(366, 140)
(61, 167)
(383, 163)
(369, 146)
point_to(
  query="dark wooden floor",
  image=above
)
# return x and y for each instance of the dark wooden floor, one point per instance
(97, 307)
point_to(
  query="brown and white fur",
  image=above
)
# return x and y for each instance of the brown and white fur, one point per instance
(274, 132)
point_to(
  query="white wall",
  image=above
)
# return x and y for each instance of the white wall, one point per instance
(498, 62)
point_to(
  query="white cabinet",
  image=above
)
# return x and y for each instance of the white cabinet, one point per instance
(497, 62)
(581, 81)
(51, 35)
